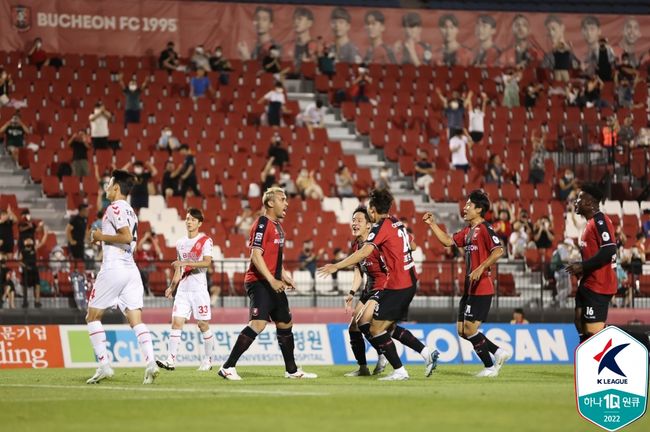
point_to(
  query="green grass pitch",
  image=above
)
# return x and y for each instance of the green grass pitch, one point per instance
(523, 398)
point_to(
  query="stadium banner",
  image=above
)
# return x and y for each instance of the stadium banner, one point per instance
(530, 344)
(30, 346)
(311, 341)
(137, 28)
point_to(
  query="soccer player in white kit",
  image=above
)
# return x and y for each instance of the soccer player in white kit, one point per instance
(191, 285)
(118, 282)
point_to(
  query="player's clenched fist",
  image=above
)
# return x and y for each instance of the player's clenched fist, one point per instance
(429, 218)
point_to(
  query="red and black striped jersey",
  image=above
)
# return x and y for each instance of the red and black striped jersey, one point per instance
(392, 240)
(268, 236)
(373, 267)
(599, 233)
(479, 242)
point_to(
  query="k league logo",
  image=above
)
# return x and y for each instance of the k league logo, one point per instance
(611, 379)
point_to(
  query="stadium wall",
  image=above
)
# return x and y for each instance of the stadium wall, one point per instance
(132, 27)
(316, 344)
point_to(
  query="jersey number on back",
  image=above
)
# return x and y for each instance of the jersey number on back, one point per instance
(404, 235)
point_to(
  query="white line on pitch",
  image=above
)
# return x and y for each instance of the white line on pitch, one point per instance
(170, 389)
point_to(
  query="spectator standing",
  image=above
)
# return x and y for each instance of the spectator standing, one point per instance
(14, 132)
(200, 85)
(146, 254)
(200, 59)
(309, 258)
(562, 61)
(454, 110)
(565, 253)
(7, 287)
(170, 185)
(518, 317)
(76, 232)
(29, 265)
(510, 81)
(144, 172)
(518, 241)
(26, 227)
(99, 126)
(531, 96)
(132, 104)
(424, 171)
(313, 117)
(626, 134)
(593, 88)
(102, 181)
(276, 151)
(79, 143)
(189, 180)
(5, 87)
(477, 118)
(7, 221)
(496, 171)
(606, 61)
(625, 79)
(344, 182)
(275, 99)
(537, 160)
(267, 176)
(37, 55)
(458, 145)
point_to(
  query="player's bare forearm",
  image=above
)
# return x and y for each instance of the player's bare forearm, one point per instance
(258, 261)
(206, 262)
(356, 257)
(357, 280)
(442, 236)
(494, 256)
(123, 236)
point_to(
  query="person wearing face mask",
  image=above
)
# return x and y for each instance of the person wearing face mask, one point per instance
(267, 176)
(26, 227)
(169, 59)
(477, 117)
(5, 86)
(29, 266)
(566, 185)
(276, 151)
(143, 172)
(132, 94)
(7, 287)
(99, 126)
(80, 144)
(276, 101)
(14, 132)
(200, 59)
(454, 110)
(167, 140)
(219, 63)
(37, 55)
(76, 232)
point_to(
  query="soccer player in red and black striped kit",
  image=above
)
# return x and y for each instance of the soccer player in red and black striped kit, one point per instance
(482, 249)
(597, 270)
(265, 282)
(391, 302)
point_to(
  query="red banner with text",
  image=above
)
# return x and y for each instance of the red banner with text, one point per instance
(30, 346)
(133, 27)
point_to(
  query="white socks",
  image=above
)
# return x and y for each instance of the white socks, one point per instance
(144, 339)
(425, 353)
(208, 340)
(98, 340)
(174, 340)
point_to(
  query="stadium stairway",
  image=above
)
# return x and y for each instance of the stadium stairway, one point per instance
(16, 181)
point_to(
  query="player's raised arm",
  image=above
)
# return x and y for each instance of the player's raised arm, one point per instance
(258, 261)
(353, 259)
(442, 236)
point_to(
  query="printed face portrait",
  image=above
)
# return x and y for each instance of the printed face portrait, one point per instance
(520, 28)
(340, 27)
(484, 30)
(414, 33)
(631, 31)
(262, 22)
(555, 32)
(374, 28)
(448, 31)
(301, 24)
(591, 33)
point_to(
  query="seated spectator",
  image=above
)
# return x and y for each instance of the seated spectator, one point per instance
(313, 117)
(503, 226)
(37, 55)
(574, 95)
(526, 223)
(244, 221)
(200, 85)
(518, 241)
(643, 137)
(309, 258)
(359, 88)
(626, 134)
(143, 172)
(458, 145)
(307, 185)
(496, 171)
(276, 100)
(271, 63)
(477, 118)
(543, 234)
(518, 317)
(7, 221)
(169, 59)
(14, 132)
(200, 59)
(5, 87)
(80, 144)
(218, 62)
(344, 182)
(537, 167)
(276, 151)
(532, 93)
(325, 56)
(132, 104)
(288, 184)
(510, 80)
(567, 184)
(424, 171)
(167, 140)
(592, 91)
(99, 126)
(170, 185)
(189, 181)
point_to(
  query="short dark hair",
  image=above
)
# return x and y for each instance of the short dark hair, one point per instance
(487, 19)
(552, 18)
(125, 180)
(376, 14)
(519, 16)
(303, 12)
(340, 13)
(593, 190)
(411, 19)
(82, 206)
(363, 210)
(195, 213)
(480, 199)
(268, 10)
(447, 17)
(519, 311)
(381, 200)
(590, 20)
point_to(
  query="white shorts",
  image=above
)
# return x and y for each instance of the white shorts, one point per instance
(120, 287)
(188, 303)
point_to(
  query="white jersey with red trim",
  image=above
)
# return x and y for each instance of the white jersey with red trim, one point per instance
(193, 249)
(119, 214)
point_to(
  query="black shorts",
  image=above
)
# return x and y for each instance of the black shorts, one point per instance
(31, 278)
(131, 116)
(474, 308)
(10, 284)
(77, 251)
(366, 295)
(594, 306)
(393, 305)
(476, 136)
(267, 304)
